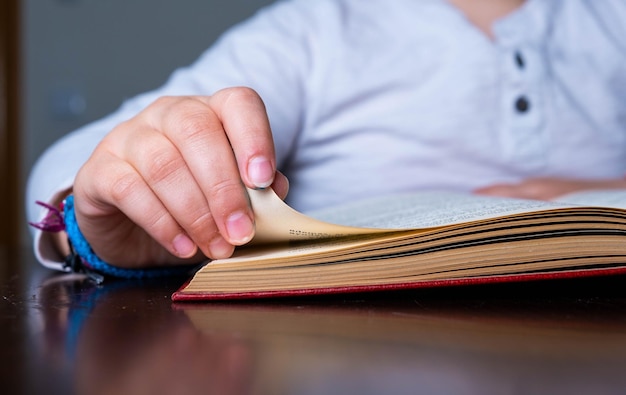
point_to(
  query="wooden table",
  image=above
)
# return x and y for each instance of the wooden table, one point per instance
(64, 335)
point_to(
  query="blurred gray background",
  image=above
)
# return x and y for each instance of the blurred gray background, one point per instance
(82, 58)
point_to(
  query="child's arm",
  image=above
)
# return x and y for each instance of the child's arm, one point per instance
(545, 188)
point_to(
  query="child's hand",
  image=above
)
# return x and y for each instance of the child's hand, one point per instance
(169, 184)
(548, 188)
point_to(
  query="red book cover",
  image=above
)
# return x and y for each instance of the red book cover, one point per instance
(185, 296)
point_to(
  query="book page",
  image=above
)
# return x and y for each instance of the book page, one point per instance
(601, 198)
(428, 209)
(276, 221)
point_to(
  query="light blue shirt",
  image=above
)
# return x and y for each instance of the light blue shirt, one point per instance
(378, 96)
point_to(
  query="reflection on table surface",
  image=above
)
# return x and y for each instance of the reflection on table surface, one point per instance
(62, 334)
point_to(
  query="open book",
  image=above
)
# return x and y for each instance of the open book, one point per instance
(416, 240)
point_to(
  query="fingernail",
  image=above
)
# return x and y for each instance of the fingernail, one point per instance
(239, 227)
(261, 172)
(184, 246)
(220, 248)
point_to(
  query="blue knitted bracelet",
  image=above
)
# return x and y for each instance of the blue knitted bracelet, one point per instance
(92, 262)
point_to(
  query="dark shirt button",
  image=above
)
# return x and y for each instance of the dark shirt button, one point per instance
(522, 104)
(519, 60)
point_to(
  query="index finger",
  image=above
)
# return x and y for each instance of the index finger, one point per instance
(244, 118)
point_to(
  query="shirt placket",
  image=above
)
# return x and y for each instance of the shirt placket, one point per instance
(522, 97)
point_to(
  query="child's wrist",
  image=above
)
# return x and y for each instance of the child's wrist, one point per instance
(60, 224)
